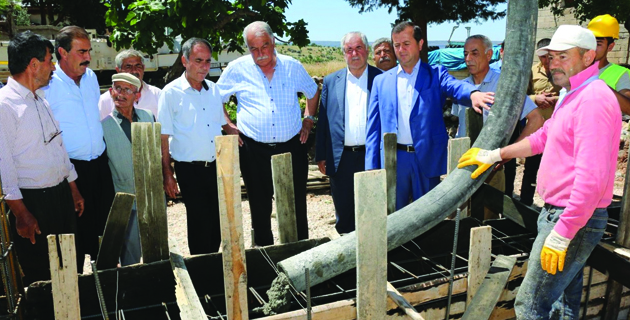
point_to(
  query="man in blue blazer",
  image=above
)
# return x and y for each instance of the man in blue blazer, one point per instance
(407, 100)
(341, 129)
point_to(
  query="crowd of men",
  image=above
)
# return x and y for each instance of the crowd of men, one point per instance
(65, 149)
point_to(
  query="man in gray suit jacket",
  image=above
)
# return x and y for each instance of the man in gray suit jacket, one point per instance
(117, 133)
(341, 129)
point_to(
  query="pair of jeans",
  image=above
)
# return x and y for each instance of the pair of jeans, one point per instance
(546, 296)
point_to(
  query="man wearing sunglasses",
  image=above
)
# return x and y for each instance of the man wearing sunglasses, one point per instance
(38, 179)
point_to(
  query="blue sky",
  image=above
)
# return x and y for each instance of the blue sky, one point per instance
(329, 20)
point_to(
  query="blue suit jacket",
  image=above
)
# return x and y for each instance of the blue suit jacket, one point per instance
(331, 118)
(433, 85)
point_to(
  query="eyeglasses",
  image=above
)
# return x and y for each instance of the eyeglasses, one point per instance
(52, 135)
(137, 66)
(124, 90)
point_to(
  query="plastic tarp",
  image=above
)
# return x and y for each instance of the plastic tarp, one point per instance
(453, 58)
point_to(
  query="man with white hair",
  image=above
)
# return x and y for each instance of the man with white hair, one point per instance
(131, 61)
(270, 122)
(577, 171)
(384, 57)
(341, 132)
(125, 94)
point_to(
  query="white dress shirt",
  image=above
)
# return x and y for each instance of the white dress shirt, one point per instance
(192, 118)
(356, 109)
(149, 96)
(405, 85)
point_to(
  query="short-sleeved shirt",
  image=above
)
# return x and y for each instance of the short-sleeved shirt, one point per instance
(76, 109)
(148, 101)
(192, 118)
(489, 84)
(267, 111)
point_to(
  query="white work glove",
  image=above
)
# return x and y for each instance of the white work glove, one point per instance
(484, 159)
(554, 252)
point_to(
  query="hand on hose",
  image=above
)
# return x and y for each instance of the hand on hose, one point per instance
(484, 159)
(553, 252)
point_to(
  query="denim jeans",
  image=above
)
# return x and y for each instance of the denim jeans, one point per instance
(546, 296)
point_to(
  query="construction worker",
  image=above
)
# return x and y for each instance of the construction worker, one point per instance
(606, 30)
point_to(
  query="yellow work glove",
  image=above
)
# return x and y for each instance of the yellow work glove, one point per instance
(553, 252)
(484, 159)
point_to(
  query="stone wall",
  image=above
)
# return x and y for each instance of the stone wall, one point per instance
(547, 25)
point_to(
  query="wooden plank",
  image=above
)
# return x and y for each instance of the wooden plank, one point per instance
(389, 147)
(402, 303)
(282, 172)
(187, 300)
(613, 294)
(479, 258)
(370, 197)
(115, 230)
(234, 265)
(64, 279)
(150, 199)
(486, 298)
(474, 124)
(456, 149)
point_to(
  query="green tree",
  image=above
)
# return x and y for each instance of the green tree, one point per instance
(588, 9)
(148, 24)
(425, 12)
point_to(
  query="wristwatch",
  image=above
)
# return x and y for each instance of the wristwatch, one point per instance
(311, 118)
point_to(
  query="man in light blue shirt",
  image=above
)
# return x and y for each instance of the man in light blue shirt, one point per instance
(266, 85)
(477, 54)
(73, 95)
(191, 114)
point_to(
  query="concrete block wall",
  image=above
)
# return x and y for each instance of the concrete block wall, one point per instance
(548, 23)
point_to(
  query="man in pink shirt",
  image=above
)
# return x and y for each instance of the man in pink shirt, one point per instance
(579, 145)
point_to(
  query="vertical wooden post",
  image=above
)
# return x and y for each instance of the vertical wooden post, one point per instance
(114, 234)
(234, 267)
(370, 195)
(479, 256)
(474, 124)
(151, 203)
(614, 289)
(456, 149)
(187, 300)
(389, 147)
(282, 172)
(65, 282)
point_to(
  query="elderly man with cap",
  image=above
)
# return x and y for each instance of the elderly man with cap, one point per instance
(131, 61)
(606, 30)
(384, 57)
(577, 171)
(125, 93)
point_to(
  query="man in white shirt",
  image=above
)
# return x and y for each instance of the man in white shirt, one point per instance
(131, 61)
(342, 118)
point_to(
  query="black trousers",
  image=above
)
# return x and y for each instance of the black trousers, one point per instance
(528, 188)
(342, 188)
(255, 158)
(198, 185)
(54, 210)
(97, 188)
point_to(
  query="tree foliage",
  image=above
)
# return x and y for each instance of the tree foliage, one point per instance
(425, 12)
(148, 24)
(588, 9)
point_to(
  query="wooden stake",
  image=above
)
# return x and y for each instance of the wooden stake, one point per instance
(402, 303)
(63, 273)
(151, 203)
(389, 145)
(234, 267)
(370, 197)
(187, 300)
(479, 256)
(614, 290)
(282, 172)
(115, 229)
(488, 295)
(456, 149)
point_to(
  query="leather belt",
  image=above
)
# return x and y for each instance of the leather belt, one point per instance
(405, 147)
(202, 163)
(551, 206)
(354, 148)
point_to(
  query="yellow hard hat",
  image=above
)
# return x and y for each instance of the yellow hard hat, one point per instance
(604, 26)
